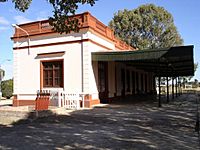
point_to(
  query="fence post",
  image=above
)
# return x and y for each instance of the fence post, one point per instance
(59, 99)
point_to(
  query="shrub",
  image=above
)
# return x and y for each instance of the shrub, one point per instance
(7, 88)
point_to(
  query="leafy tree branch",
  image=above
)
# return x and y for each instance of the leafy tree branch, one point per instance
(62, 9)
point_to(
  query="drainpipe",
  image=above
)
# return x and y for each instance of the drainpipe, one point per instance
(82, 76)
(25, 31)
(82, 87)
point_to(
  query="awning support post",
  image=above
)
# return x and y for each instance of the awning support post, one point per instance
(159, 96)
(176, 87)
(167, 89)
(172, 87)
(179, 89)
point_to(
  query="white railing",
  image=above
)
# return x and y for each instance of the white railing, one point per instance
(61, 98)
(70, 101)
(67, 100)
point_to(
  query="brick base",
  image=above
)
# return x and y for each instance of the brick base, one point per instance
(23, 102)
(90, 103)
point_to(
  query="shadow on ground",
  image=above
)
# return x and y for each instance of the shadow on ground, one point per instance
(141, 126)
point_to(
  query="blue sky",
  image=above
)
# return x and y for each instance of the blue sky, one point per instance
(186, 17)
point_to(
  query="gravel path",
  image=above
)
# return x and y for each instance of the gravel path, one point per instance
(138, 126)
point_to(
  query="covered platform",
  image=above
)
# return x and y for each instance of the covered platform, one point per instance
(171, 62)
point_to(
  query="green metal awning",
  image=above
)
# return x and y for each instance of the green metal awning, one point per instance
(173, 61)
(127, 55)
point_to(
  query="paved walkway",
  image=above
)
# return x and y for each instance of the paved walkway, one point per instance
(139, 126)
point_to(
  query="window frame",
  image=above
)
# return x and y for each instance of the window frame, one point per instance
(53, 63)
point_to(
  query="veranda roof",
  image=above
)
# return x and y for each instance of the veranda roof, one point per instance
(173, 61)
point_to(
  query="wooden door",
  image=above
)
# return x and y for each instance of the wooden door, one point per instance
(103, 80)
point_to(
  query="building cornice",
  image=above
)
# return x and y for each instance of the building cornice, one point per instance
(86, 21)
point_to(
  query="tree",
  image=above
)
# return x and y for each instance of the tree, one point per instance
(146, 27)
(188, 78)
(60, 20)
(2, 74)
(7, 88)
(196, 83)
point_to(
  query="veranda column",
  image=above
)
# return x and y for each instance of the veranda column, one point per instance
(167, 89)
(159, 96)
(172, 87)
(176, 87)
(179, 86)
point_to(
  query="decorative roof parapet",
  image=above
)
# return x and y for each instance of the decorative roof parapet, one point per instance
(86, 20)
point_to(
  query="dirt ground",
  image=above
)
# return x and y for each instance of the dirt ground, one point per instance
(137, 126)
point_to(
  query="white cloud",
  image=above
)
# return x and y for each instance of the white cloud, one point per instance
(3, 21)
(21, 19)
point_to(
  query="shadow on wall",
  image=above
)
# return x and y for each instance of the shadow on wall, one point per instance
(117, 126)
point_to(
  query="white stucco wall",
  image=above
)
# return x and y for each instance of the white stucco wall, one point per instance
(91, 70)
(27, 65)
